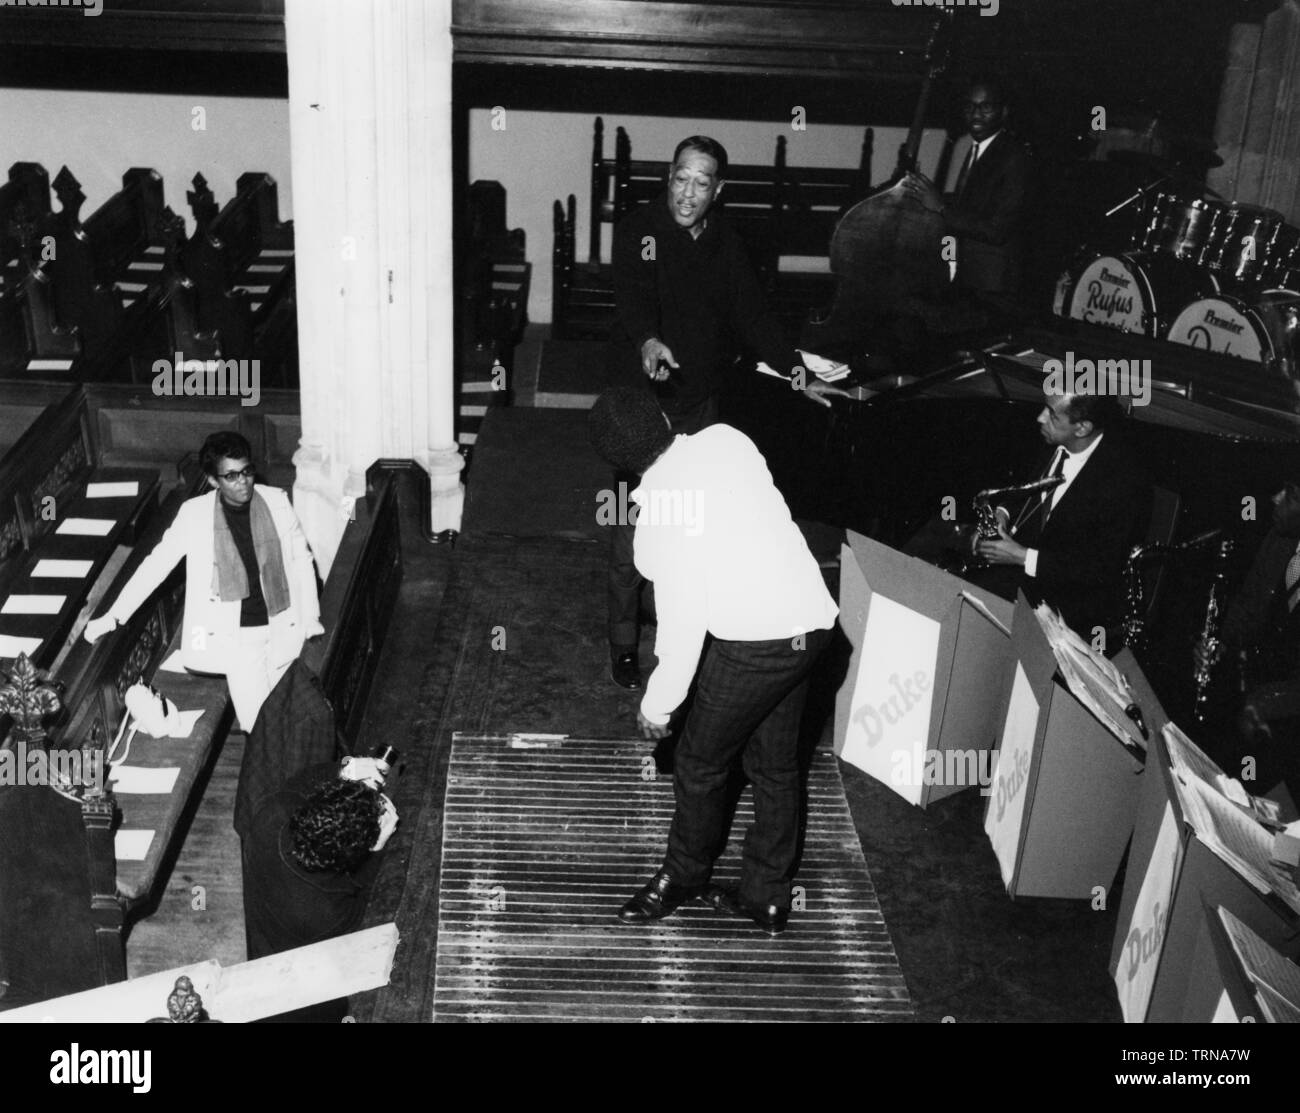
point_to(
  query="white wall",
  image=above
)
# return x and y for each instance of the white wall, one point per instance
(542, 157)
(102, 135)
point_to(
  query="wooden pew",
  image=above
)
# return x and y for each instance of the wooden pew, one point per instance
(24, 205)
(495, 280)
(125, 234)
(52, 511)
(238, 259)
(356, 607)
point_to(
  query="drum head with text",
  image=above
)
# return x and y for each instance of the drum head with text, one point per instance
(1223, 325)
(1111, 292)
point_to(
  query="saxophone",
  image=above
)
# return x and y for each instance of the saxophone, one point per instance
(986, 516)
(1208, 645)
(1135, 616)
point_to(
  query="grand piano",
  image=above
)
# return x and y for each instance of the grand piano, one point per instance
(1219, 432)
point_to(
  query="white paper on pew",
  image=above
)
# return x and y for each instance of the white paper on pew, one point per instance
(62, 569)
(188, 719)
(173, 663)
(86, 527)
(11, 646)
(113, 490)
(132, 846)
(139, 780)
(33, 604)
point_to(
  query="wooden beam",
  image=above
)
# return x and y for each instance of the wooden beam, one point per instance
(248, 991)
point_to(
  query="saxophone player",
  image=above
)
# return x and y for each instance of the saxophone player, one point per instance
(1260, 636)
(1069, 546)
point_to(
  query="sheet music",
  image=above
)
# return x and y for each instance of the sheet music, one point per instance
(1276, 979)
(1186, 756)
(1189, 760)
(1092, 680)
(1236, 838)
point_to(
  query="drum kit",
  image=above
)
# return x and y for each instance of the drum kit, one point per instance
(1186, 266)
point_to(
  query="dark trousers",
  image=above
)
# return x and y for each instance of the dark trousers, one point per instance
(625, 582)
(749, 700)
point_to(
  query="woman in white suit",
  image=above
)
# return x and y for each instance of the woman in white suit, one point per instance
(250, 584)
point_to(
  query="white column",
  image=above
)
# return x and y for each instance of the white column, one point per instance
(370, 129)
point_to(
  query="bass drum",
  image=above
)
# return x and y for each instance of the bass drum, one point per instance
(1262, 330)
(1131, 292)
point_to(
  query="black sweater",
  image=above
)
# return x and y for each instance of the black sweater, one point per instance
(699, 296)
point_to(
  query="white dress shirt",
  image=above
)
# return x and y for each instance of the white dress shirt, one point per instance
(1074, 462)
(716, 538)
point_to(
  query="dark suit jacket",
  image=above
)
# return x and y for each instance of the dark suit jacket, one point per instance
(987, 218)
(1083, 546)
(1258, 616)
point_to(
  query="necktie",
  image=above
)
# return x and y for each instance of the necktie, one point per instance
(1057, 468)
(1293, 580)
(966, 168)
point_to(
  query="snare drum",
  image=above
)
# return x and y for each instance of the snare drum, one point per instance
(1181, 227)
(1241, 241)
(1131, 292)
(1262, 329)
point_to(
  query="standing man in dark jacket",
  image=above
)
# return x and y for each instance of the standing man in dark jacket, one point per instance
(985, 210)
(688, 303)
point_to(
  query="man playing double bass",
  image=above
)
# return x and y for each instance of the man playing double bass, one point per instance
(985, 209)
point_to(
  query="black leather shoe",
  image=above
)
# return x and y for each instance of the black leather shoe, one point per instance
(657, 899)
(624, 670)
(770, 917)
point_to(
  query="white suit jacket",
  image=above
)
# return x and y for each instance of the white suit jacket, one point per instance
(211, 627)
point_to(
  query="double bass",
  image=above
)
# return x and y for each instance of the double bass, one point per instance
(886, 249)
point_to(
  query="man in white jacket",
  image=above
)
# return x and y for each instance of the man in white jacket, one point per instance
(716, 538)
(250, 584)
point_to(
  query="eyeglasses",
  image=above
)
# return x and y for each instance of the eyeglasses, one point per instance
(234, 476)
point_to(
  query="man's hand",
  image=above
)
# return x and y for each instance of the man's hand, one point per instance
(655, 353)
(96, 628)
(821, 392)
(651, 732)
(919, 187)
(1002, 549)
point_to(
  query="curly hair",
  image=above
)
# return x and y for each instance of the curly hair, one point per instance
(628, 429)
(336, 826)
(223, 445)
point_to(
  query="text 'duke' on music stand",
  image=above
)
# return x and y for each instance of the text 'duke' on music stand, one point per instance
(1172, 877)
(918, 707)
(1065, 790)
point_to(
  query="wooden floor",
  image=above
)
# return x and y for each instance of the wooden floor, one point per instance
(201, 913)
(542, 846)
